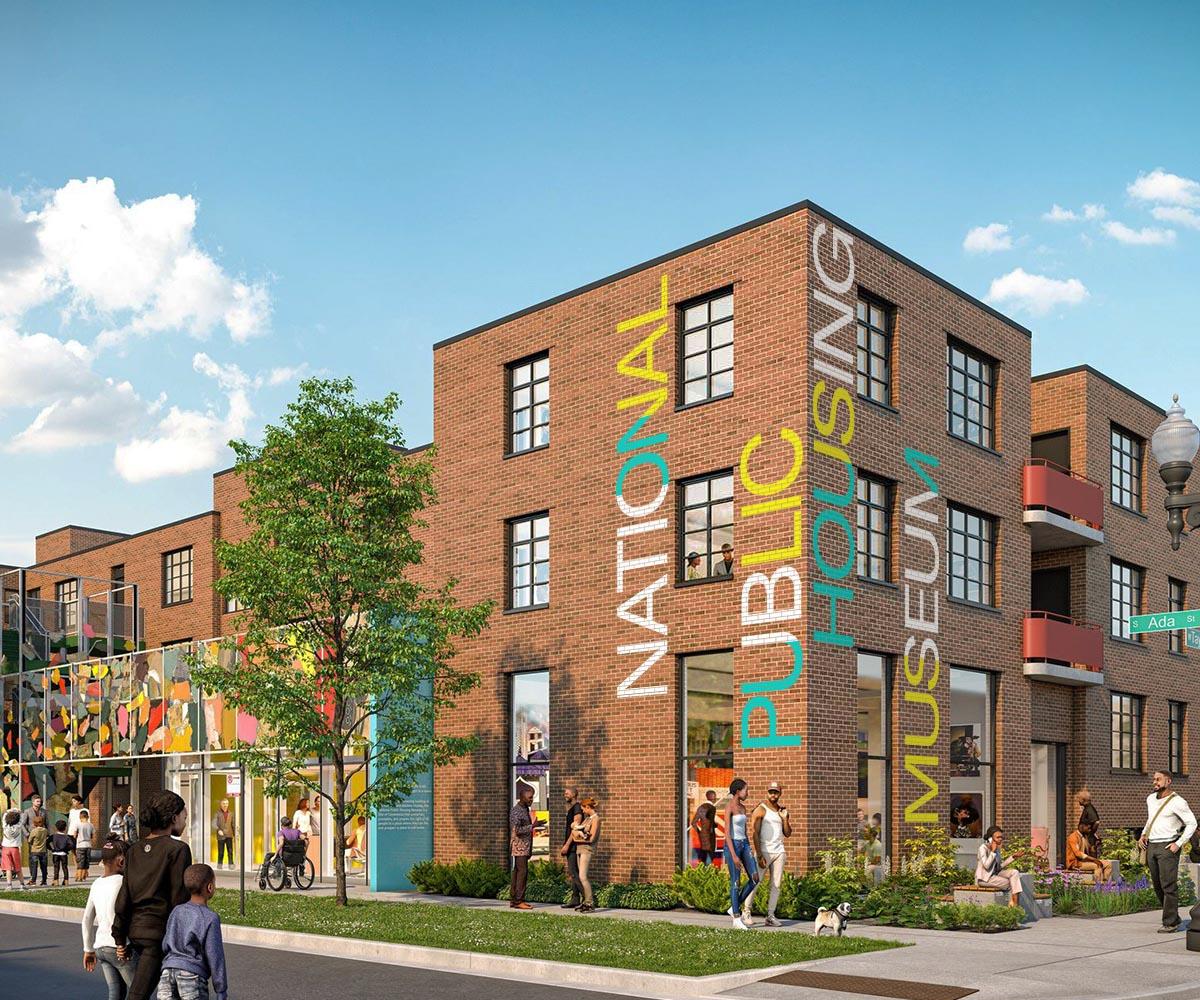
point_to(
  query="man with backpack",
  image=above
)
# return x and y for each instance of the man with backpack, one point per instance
(1169, 826)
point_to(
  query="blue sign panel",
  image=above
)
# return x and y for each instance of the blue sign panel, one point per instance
(400, 836)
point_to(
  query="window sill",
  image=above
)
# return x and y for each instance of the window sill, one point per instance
(1177, 653)
(702, 402)
(1128, 510)
(1128, 642)
(1129, 772)
(177, 604)
(963, 602)
(521, 611)
(886, 407)
(886, 584)
(723, 578)
(517, 454)
(987, 450)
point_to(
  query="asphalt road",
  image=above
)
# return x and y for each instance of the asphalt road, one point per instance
(44, 958)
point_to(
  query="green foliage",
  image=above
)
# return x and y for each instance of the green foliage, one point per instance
(1072, 895)
(1121, 845)
(908, 901)
(969, 917)
(703, 887)
(474, 877)
(929, 853)
(1025, 857)
(547, 883)
(339, 635)
(828, 888)
(636, 896)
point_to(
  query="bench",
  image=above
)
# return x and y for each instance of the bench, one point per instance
(979, 896)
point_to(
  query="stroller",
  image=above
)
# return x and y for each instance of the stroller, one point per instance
(289, 866)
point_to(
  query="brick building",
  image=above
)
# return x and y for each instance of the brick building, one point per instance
(930, 552)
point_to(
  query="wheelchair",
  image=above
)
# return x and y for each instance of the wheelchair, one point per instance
(290, 866)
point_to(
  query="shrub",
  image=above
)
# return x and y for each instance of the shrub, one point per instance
(929, 854)
(636, 896)
(433, 877)
(967, 916)
(828, 888)
(547, 883)
(1025, 856)
(1120, 845)
(703, 887)
(477, 877)
(903, 901)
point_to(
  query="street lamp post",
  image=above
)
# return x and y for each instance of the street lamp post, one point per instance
(1175, 443)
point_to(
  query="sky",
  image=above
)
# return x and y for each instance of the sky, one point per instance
(201, 204)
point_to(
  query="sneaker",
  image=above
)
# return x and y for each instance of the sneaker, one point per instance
(772, 922)
(738, 925)
(571, 906)
(730, 912)
(1168, 930)
(747, 919)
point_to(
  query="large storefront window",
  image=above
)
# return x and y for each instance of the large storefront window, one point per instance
(530, 739)
(971, 757)
(708, 722)
(871, 819)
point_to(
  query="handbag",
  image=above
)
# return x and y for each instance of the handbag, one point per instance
(1142, 847)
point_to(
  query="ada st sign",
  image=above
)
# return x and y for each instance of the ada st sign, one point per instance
(1163, 621)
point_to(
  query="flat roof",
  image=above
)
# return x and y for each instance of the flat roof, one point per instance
(123, 538)
(80, 527)
(1100, 375)
(726, 234)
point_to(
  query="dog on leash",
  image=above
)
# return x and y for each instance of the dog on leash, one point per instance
(836, 919)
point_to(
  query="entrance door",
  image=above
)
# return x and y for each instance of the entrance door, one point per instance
(1048, 808)
(191, 790)
(1051, 590)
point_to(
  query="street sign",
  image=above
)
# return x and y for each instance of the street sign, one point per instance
(233, 783)
(1192, 638)
(1164, 621)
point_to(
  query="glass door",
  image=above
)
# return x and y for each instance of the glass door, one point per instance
(1048, 805)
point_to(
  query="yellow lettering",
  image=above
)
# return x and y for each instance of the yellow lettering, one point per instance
(766, 489)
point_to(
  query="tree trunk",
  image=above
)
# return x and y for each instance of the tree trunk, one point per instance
(339, 827)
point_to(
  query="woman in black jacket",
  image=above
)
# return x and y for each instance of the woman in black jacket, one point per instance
(152, 888)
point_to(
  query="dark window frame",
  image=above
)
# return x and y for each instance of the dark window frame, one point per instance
(172, 573)
(682, 533)
(986, 380)
(685, 758)
(683, 355)
(865, 532)
(530, 408)
(1132, 583)
(864, 352)
(1122, 707)
(66, 597)
(1127, 452)
(1176, 736)
(987, 538)
(511, 564)
(1176, 601)
(885, 694)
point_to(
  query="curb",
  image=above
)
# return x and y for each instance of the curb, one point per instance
(659, 985)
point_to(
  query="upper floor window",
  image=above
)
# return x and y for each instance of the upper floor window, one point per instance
(1176, 601)
(1176, 727)
(233, 605)
(1126, 469)
(874, 528)
(529, 403)
(529, 561)
(875, 350)
(706, 354)
(970, 391)
(972, 542)
(1126, 731)
(66, 596)
(706, 525)
(1126, 597)
(177, 576)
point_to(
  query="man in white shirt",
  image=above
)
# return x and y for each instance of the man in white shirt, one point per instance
(769, 824)
(1169, 826)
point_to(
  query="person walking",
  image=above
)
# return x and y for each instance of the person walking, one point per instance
(131, 825)
(704, 822)
(520, 845)
(738, 856)
(39, 850)
(990, 866)
(225, 827)
(1080, 856)
(193, 952)
(1089, 815)
(570, 848)
(116, 822)
(305, 820)
(587, 835)
(1169, 826)
(769, 825)
(99, 945)
(11, 837)
(152, 888)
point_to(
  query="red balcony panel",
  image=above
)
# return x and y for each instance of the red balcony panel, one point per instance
(1058, 639)
(1053, 488)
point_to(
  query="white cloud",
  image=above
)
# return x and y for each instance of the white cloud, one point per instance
(1171, 189)
(36, 368)
(1177, 214)
(1059, 214)
(190, 440)
(1091, 211)
(991, 238)
(1147, 236)
(1035, 293)
(286, 373)
(107, 413)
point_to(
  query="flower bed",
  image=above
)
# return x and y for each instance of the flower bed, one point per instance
(1072, 896)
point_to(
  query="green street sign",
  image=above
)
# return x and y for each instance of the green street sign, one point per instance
(1164, 621)
(1192, 638)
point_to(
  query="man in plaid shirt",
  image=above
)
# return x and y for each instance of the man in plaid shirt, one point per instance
(520, 826)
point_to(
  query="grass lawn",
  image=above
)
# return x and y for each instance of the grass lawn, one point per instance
(652, 946)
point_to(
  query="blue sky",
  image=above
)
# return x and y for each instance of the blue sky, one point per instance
(284, 188)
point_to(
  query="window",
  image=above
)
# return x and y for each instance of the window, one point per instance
(1126, 731)
(874, 528)
(66, 596)
(871, 819)
(875, 350)
(1126, 597)
(1176, 724)
(529, 562)
(972, 539)
(971, 379)
(119, 590)
(708, 725)
(529, 403)
(233, 605)
(1126, 469)
(706, 522)
(529, 737)
(971, 761)
(706, 357)
(1176, 601)
(177, 576)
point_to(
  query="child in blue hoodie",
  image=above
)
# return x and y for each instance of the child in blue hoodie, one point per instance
(193, 954)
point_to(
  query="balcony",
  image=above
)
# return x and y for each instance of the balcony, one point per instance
(1062, 650)
(1062, 508)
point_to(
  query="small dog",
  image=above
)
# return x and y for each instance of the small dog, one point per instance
(837, 920)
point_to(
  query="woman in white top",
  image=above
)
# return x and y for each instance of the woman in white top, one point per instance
(990, 872)
(738, 855)
(305, 820)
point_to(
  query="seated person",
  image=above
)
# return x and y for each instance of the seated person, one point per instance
(1080, 858)
(287, 835)
(990, 870)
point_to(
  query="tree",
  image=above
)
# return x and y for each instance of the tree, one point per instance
(342, 654)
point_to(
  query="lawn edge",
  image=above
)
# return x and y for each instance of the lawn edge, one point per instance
(635, 982)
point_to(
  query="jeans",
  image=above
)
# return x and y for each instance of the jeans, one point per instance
(1164, 871)
(117, 974)
(704, 857)
(60, 861)
(175, 984)
(740, 849)
(148, 958)
(573, 876)
(520, 876)
(224, 846)
(37, 859)
(775, 867)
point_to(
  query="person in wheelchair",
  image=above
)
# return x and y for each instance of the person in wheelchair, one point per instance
(290, 849)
